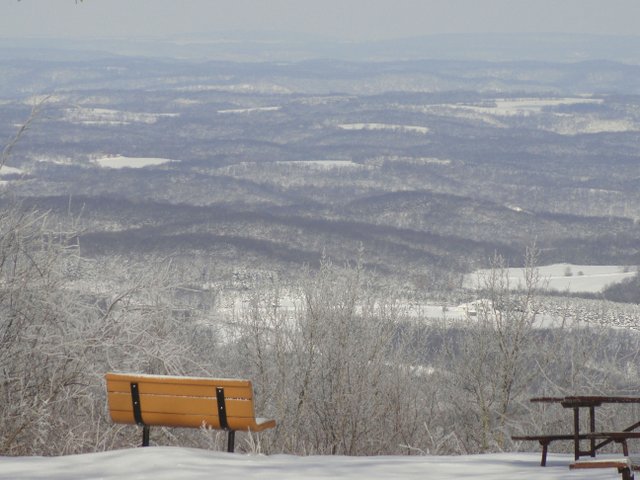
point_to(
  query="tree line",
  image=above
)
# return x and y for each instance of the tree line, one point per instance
(340, 362)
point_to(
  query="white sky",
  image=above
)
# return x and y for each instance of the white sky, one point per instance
(337, 19)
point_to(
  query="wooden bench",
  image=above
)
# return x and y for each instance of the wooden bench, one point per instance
(544, 441)
(624, 466)
(160, 400)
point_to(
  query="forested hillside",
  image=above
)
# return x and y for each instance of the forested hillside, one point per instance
(416, 165)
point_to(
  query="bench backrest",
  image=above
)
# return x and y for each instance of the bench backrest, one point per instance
(180, 401)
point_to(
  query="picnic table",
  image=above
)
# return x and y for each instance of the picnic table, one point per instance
(596, 439)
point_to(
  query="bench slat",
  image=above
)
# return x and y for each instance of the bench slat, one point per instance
(181, 405)
(207, 389)
(168, 419)
(193, 421)
(130, 377)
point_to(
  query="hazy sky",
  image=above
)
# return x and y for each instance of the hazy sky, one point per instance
(340, 19)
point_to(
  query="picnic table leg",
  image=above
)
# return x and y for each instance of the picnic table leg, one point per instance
(576, 432)
(626, 472)
(592, 428)
(545, 449)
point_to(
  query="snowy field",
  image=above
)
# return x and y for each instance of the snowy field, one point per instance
(322, 164)
(105, 116)
(250, 110)
(565, 277)
(6, 170)
(172, 463)
(526, 106)
(119, 161)
(494, 113)
(384, 126)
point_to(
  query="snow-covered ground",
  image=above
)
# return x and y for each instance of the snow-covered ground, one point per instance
(567, 277)
(105, 116)
(6, 170)
(283, 167)
(413, 160)
(260, 87)
(565, 124)
(524, 106)
(119, 161)
(384, 126)
(321, 164)
(250, 110)
(172, 463)
(496, 112)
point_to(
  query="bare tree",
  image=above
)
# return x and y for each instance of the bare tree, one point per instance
(498, 354)
(333, 362)
(37, 370)
(65, 320)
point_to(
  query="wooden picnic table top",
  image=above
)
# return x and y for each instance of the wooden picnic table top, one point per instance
(586, 400)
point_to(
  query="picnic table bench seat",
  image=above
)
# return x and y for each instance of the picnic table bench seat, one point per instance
(625, 465)
(618, 437)
(191, 402)
(607, 437)
(545, 440)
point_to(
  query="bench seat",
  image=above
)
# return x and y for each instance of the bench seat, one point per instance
(608, 437)
(618, 437)
(624, 465)
(545, 440)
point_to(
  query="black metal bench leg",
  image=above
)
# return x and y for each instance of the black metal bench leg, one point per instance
(231, 440)
(145, 435)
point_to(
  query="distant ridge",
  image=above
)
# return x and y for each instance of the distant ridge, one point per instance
(267, 46)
